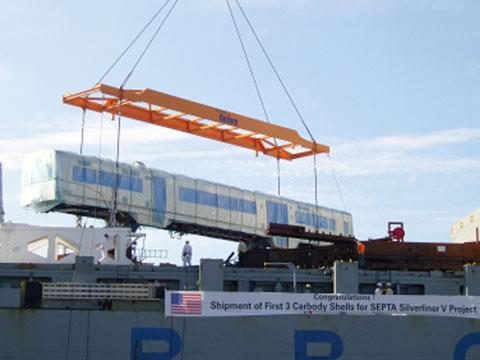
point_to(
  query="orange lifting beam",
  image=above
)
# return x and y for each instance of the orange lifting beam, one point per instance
(161, 109)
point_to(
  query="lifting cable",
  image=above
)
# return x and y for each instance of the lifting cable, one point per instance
(99, 155)
(79, 218)
(82, 132)
(255, 83)
(277, 74)
(150, 42)
(82, 139)
(112, 221)
(334, 173)
(112, 218)
(295, 107)
(132, 42)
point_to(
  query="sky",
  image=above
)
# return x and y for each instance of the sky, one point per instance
(393, 87)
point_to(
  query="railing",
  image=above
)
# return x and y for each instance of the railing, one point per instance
(142, 254)
(83, 291)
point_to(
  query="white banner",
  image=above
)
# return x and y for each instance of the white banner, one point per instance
(207, 303)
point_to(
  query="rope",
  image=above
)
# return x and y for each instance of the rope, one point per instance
(315, 175)
(82, 139)
(255, 83)
(278, 176)
(132, 42)
(113, 221)
(149, 43)
(279, 78)
(100, 136)
(82, 132)
(334, 173)
(99, 155)
(295, 107)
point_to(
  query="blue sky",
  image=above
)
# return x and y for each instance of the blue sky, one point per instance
(392, 86)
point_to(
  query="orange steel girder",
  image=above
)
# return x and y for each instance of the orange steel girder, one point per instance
(169, 111)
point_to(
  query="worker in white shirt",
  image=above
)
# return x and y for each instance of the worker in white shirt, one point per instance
(379, 289)
(187, 254)
(103, 248)
(389, 290)
(242, 249)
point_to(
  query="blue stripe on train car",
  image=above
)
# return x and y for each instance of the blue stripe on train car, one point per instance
(322, 222)
(85, 175)
(159, 194)
(277, 212)
(105, 178)
(332, 225)
(125, 182)
(206, 198)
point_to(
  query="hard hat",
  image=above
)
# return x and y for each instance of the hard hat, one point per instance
(379, 284)
(389, 284)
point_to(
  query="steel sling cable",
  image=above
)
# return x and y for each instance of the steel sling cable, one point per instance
(277, 74)
(334, 173)
(292, 102)
(315, 176)
(112, 216)
(133, 41)
(112, 220)
(82, 139)
(82, 132)
(255, 83)
(99, 167)
(149, 43)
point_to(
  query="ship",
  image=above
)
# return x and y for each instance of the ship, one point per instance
(305, 288)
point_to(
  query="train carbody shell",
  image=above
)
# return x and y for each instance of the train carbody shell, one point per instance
(54, 180)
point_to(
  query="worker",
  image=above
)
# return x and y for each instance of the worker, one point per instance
(131, 250)
(389, 290)
(361, 254)
(78, 221)
(187, 254)
(242, 249)
(103, 248)
(379, 289)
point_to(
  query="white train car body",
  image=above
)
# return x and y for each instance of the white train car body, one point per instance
(61, 181)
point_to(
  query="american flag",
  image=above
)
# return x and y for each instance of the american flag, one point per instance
(186, 304)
